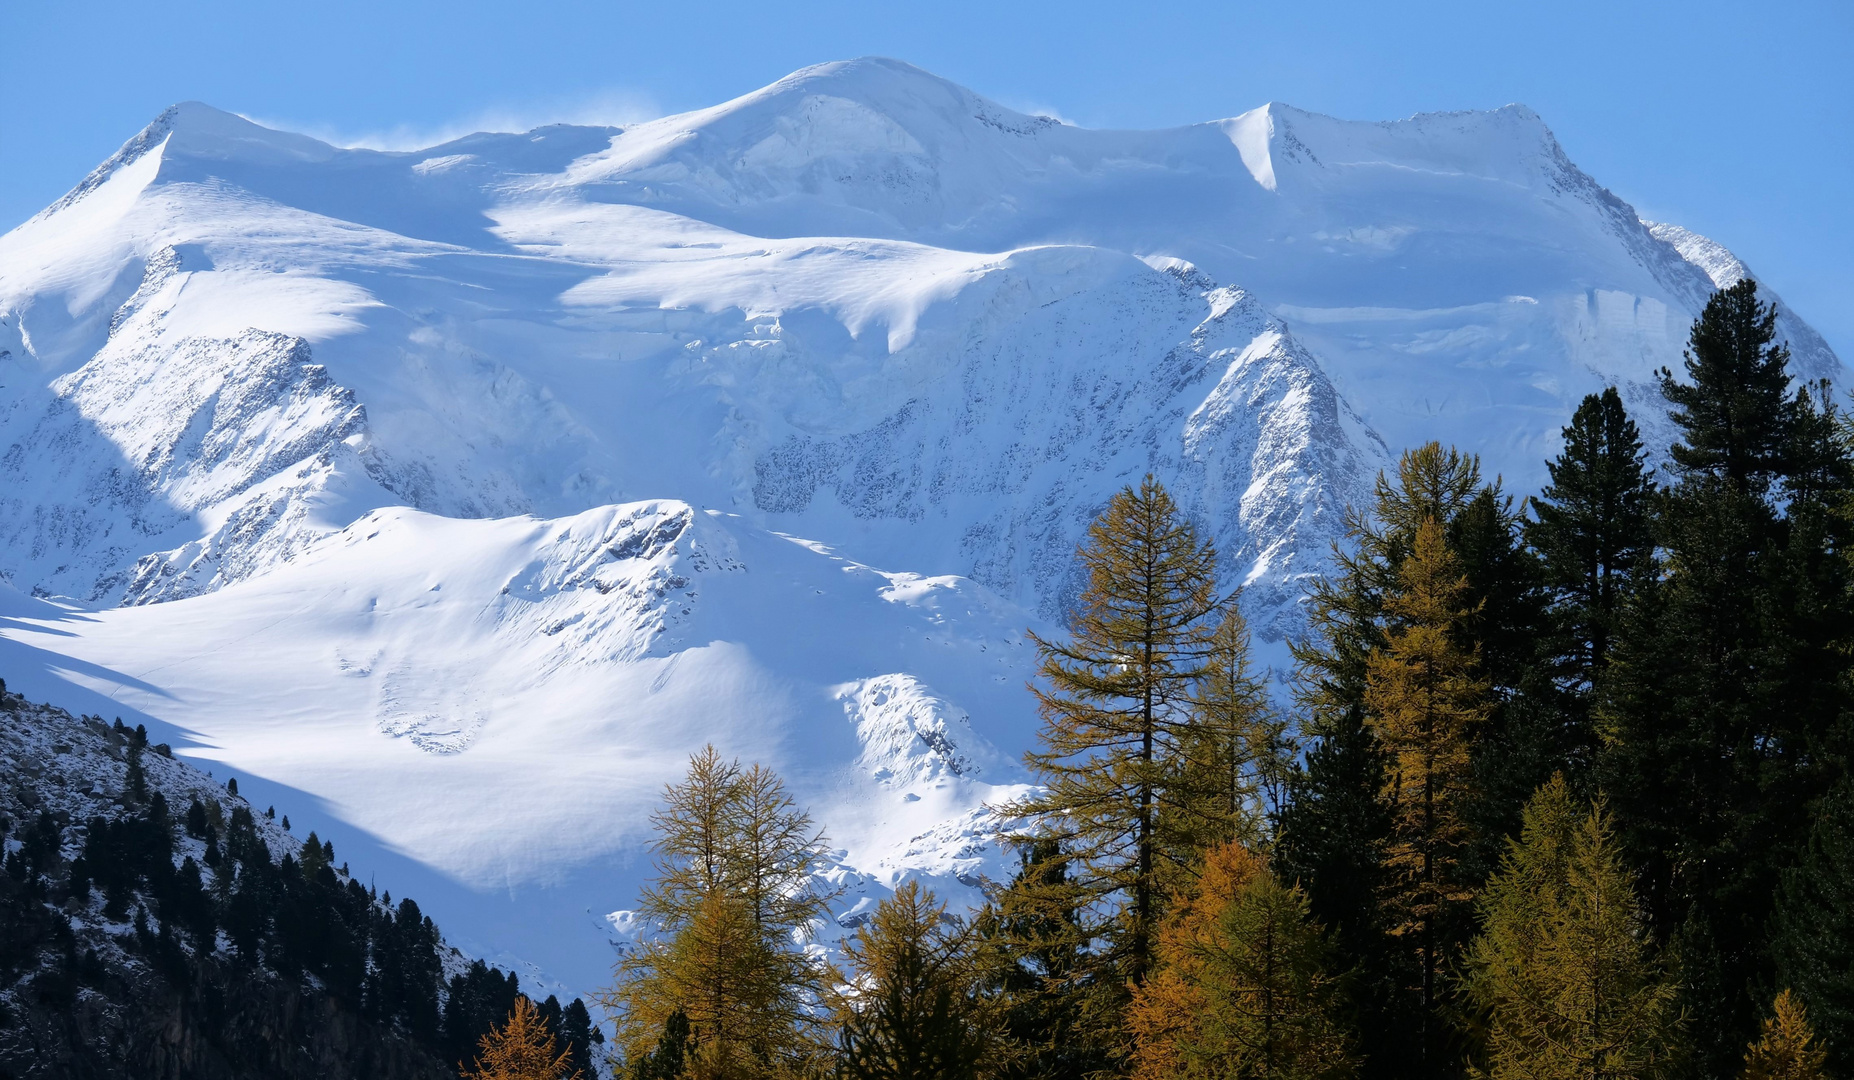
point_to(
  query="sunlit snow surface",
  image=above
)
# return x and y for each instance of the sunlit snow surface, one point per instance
(451, 498)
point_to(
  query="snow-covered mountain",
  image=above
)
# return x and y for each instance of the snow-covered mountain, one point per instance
(458, 494)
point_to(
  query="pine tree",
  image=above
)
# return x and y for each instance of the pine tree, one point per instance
(1233, 756)
(313, 857)
(1423, 699)
(1594, 532)
(1522, 740)
(1032, 945)
(911, 1013)
(1813, 929)
(1787, 1049)
(521, 1049)
(579, 1033)
(1505, 595)
(1560, 972)
(1114, 701)
(670, 1059)
(733, 892)
(1735, 413)
(137, 782)
(1242, 990)
(1724, 710)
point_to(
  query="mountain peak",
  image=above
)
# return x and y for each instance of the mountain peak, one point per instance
(200, 130)
(196, 129)
(1508, 143)
(870, 79)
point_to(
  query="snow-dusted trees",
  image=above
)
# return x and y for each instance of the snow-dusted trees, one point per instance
(734, 897)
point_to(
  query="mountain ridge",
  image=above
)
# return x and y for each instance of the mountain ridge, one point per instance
(286, 430)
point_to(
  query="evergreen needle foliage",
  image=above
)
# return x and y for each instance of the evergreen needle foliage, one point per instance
(1814, 926)
(1725, 709)
(1032, 950)
(1735, 413)
(1593, 530)
(1561, 973)
(523, 1048)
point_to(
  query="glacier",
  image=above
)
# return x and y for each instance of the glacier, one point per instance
(451, 497)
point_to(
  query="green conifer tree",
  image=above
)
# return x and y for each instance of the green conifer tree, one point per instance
(1594, 533)
(1735, 412)
(1032, 946)
(1561, 974)
(1723, 711)
(669, 1060)
(1814, 925)
(1521, 740)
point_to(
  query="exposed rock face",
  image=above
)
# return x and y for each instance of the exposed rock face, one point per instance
(507, 472)
(1019, 442)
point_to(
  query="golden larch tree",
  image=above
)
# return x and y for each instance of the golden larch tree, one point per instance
(1114, 700)
(522, 1048)
(1234, 756)
(1787, 1048)
(1241, 990)
(1423, 700)
(734, 893)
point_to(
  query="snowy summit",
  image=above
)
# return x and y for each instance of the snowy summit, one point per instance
(451, 498)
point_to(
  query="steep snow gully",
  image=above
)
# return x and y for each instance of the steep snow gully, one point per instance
(451, 498)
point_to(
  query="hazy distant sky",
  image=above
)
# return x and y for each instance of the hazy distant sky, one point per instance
(1733, 119)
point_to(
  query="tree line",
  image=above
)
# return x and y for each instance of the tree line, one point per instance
(1563, 792)
(291, 916)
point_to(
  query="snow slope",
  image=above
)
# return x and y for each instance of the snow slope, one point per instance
(455, 491)
(504, 698)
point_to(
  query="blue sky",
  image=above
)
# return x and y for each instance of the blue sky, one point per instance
(1733, 119)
